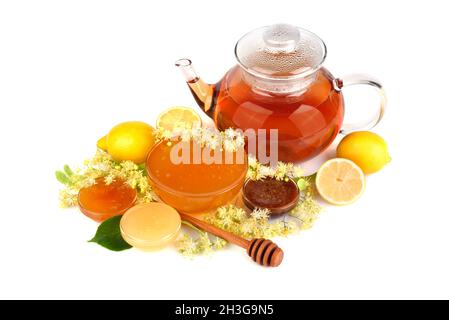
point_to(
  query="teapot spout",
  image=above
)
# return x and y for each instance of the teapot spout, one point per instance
(201, 91)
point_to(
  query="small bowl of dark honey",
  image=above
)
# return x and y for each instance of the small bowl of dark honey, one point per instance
(278, 196)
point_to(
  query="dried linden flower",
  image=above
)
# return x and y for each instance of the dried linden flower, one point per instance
(259, 214)
(189, 247)
(229, 140)
(307, 210)
(257, 171)
(254, 225)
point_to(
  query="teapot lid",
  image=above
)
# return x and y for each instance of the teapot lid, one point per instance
(280, 51)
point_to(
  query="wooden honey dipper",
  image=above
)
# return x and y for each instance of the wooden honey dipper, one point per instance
(263, 251)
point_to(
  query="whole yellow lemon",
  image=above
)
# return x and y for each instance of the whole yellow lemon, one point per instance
(102, 143)
(366, 149)
(129, 141)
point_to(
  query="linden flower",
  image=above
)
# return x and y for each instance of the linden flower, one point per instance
(228, 140)
(257, 171)
(288, 226)
(204, 243)
(297, 172)
(90, 181)
(260, 214)
(186, 245)
(132, 182)
(307, 211)
(230, 133)
(239, 214)
(189, 247)
(281, 171)
(68, 198)
(213, 143)
(221, 212)
(207, 133)
(252, 161)
(219, 243)
(103, 166)
(185, 136)
(240, 141)
(229, 145)
(266, 171)
(196, 132)
(146, 199)
(110, 178)
(166, 134)
(227, 221)
(178, 130)
(247, 227)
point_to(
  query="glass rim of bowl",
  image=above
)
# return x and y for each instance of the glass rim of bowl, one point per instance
(159, 185)
(274, 211)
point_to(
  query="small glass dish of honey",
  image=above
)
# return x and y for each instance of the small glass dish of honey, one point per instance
(278, 196)
(102, 201)
(150, 226)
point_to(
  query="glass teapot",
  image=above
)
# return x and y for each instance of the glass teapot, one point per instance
(279, 83)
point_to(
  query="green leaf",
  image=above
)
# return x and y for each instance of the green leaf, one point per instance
(108, 235)
(68, 171)
(62, 177)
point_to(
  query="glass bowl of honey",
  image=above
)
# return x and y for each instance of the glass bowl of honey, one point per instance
(102, 200)
(194, 184)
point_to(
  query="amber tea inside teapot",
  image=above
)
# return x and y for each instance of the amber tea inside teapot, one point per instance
(280, 83)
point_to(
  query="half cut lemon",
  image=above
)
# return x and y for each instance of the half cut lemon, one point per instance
(340, 181)
(178, 118)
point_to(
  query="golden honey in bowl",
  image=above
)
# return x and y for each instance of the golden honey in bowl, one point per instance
(102, 201)
(195, 186)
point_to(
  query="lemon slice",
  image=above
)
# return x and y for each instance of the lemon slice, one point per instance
(340, 181)
(178, 117)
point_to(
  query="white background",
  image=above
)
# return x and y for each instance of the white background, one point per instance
(70, 70)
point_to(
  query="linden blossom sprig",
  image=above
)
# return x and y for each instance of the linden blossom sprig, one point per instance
(189, 246)
(237, 221)
(102, 166)
(229, 140)
(258, 171)
(255, 225)
(308, 209)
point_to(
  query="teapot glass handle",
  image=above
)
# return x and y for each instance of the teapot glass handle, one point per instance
(355, 79)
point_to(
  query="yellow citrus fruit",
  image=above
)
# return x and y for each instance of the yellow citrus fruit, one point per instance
(178, 117)
(340, 181)
(366, 149)
(102, 143)
(129, 141)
